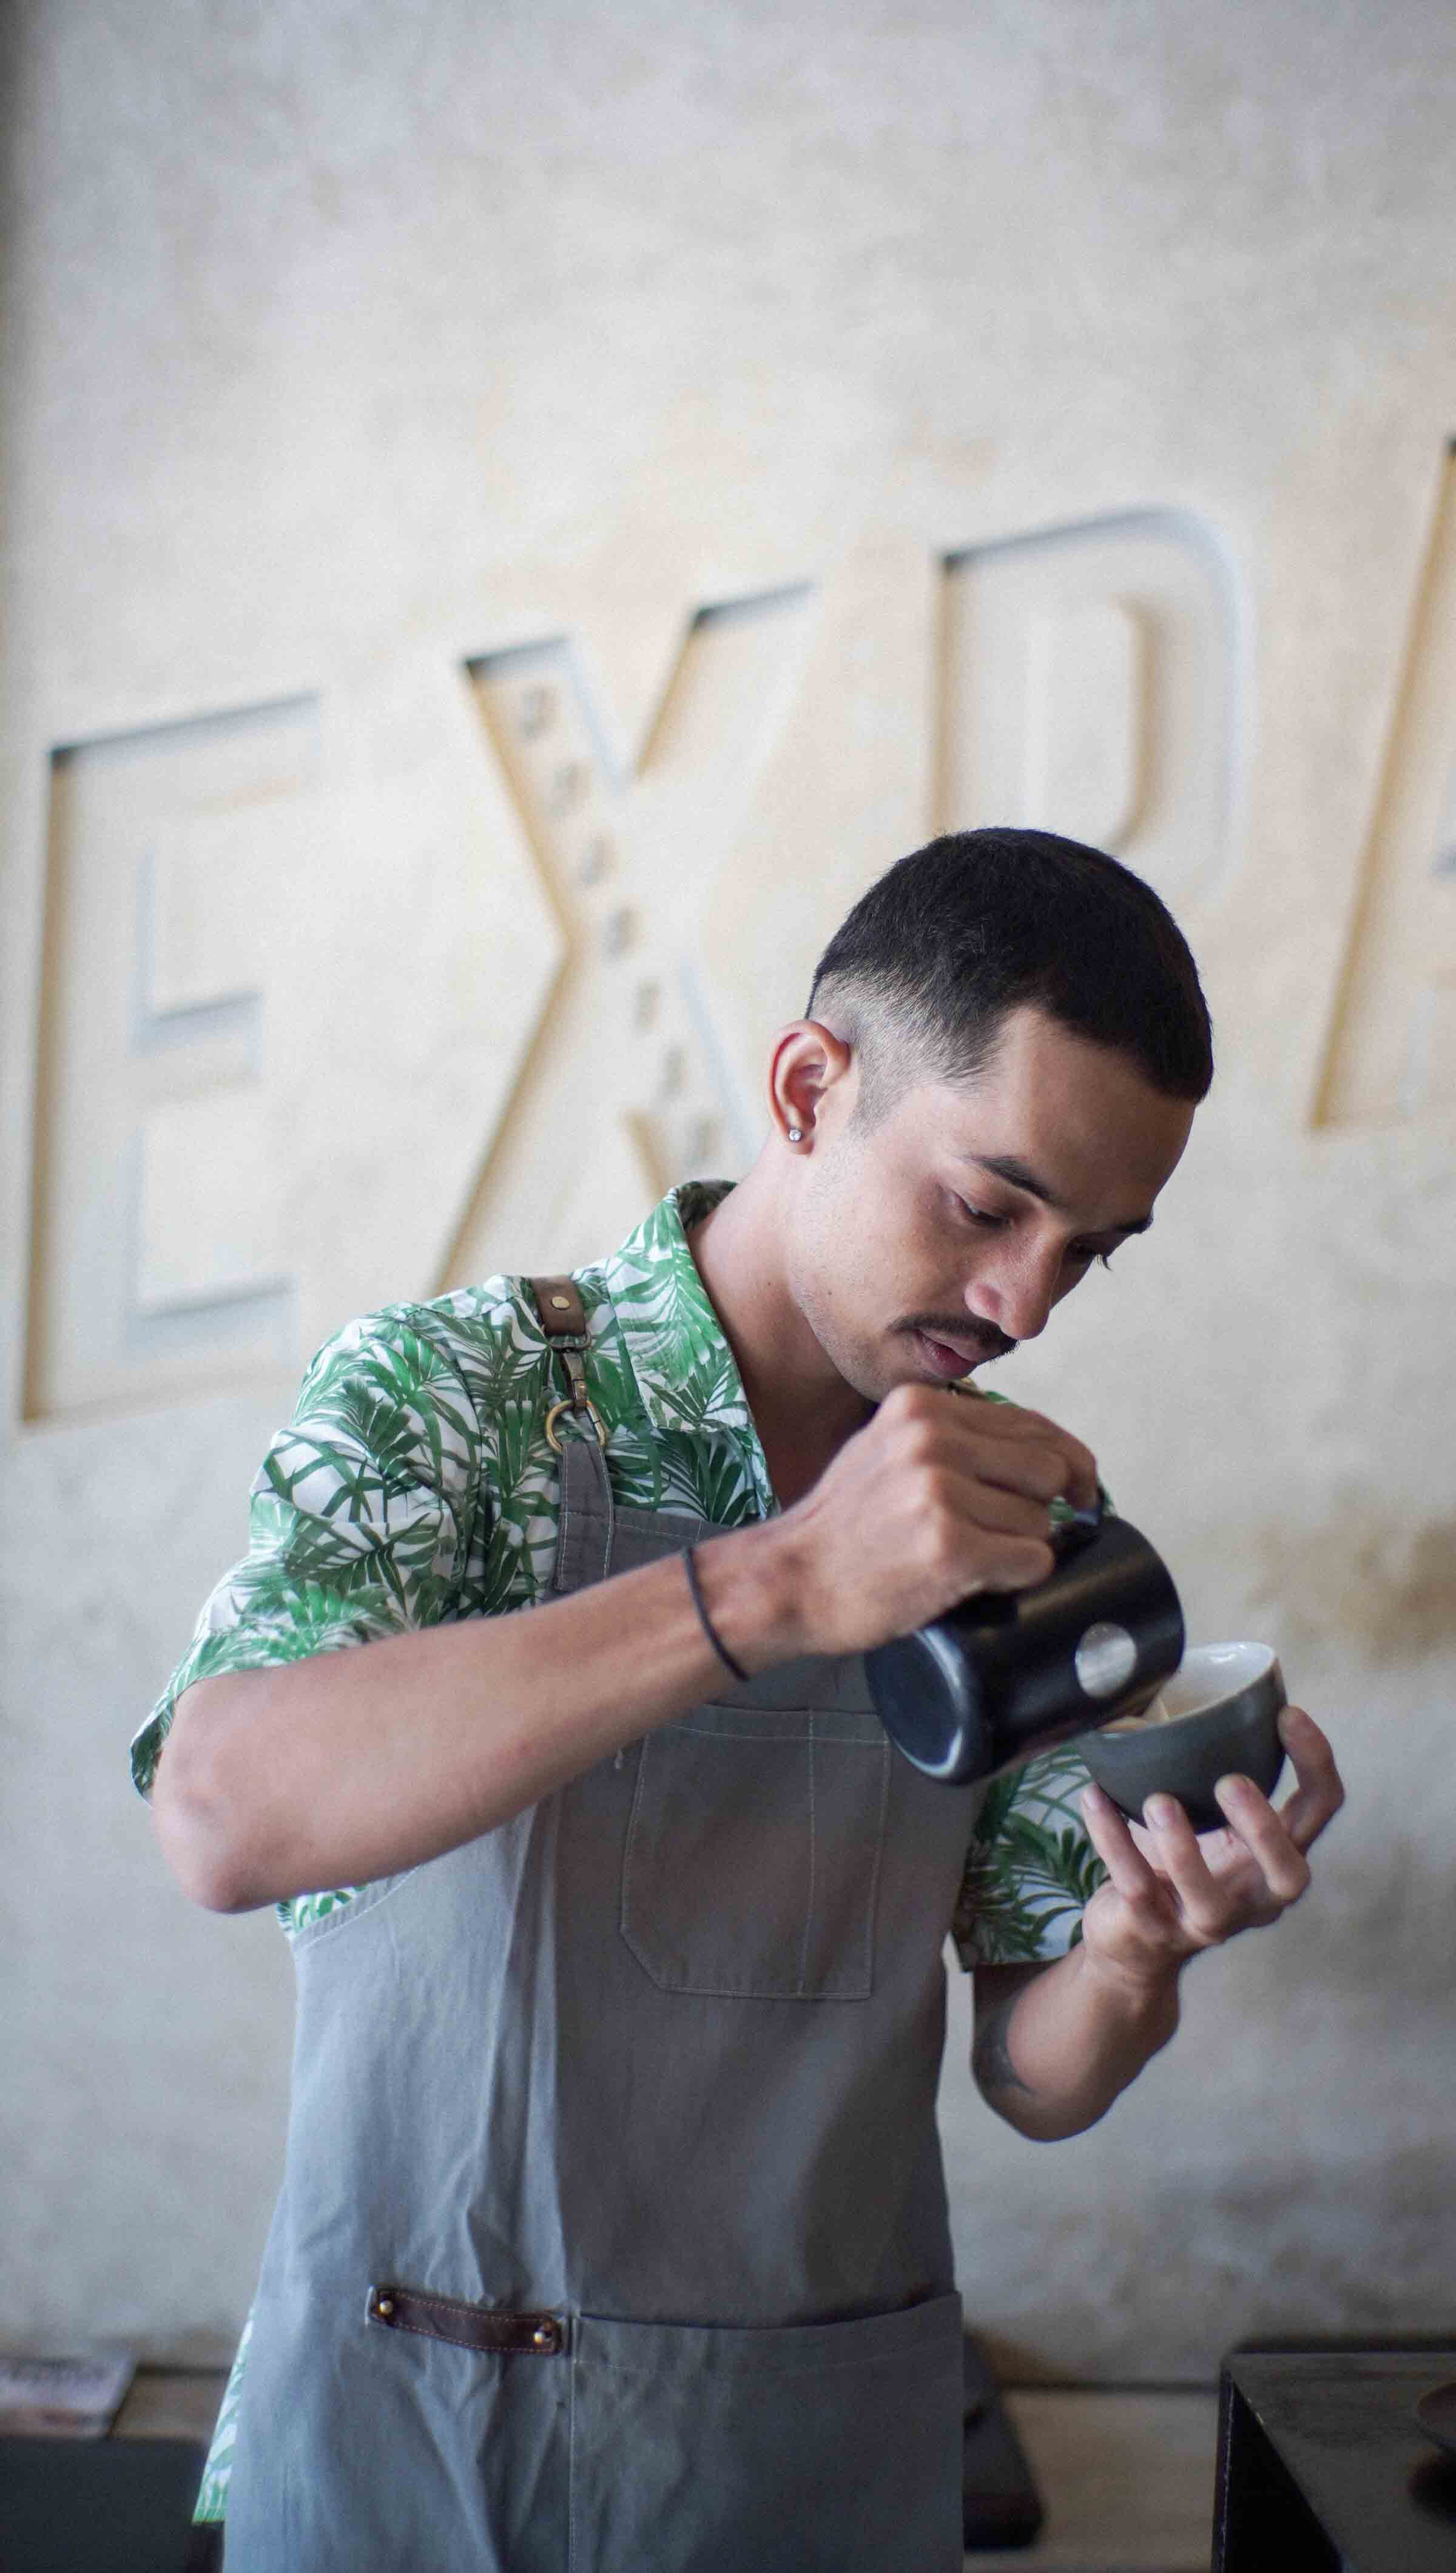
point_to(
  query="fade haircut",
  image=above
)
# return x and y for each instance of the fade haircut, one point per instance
(926, 967)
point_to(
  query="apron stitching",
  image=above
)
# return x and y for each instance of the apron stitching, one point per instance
(571, 2461)
(424, 2332)
(609, 1526)
(755, 1990)
(813, 1865)
(932, 2319)
(762, 1730)
(430, 2296)
(873, 1903)
(632, 1818)
(564, 1531)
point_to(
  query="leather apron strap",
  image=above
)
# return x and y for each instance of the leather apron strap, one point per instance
(574, 1428)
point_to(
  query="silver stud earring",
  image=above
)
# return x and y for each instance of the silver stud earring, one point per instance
(796, 1134)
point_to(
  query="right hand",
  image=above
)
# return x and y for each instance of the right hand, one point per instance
(934, 1499)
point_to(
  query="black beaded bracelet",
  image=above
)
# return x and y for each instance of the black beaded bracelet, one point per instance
(709, 1630)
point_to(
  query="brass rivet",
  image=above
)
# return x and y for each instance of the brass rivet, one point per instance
(545, 2336)
(385, 2306)
(561, 1303)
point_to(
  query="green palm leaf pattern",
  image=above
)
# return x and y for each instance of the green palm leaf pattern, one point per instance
(1031, 1869)
(212, 2500)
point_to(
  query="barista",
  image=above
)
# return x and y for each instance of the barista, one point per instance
(613, 2227)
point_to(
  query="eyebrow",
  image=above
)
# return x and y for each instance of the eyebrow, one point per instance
(1020, 1175)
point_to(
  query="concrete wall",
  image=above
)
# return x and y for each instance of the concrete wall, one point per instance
(514, 515)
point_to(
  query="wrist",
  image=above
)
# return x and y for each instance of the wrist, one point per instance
(1143, 1993)
(748, 1588)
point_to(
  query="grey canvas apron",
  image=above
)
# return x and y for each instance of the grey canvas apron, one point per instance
(613, 2232)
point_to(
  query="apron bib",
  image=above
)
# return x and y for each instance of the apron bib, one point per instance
(613, 2228)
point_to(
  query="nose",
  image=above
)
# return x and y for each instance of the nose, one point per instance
(1016, 1291)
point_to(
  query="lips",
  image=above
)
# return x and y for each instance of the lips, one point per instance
(951, 1359)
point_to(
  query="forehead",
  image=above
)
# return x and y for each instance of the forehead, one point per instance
(1081, 1117)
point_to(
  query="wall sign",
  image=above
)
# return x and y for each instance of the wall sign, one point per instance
(338, 995)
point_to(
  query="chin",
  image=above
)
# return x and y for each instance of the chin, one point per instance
(903, 1364)
(868, 1372)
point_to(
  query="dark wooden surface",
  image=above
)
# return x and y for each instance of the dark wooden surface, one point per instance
(1322, 2463)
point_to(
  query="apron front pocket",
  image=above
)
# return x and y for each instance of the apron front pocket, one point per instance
(812, 2449)
(752, 1854)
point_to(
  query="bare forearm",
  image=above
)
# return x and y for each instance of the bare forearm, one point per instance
(352, 1765)
(1055, 2045)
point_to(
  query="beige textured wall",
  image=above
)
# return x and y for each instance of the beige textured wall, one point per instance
(513, 516)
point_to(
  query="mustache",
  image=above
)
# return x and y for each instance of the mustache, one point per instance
(987, 1341)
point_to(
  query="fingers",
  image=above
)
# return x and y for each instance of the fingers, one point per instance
(947, 1508)
(1211, 1908)
(1239, 1879)
(1131, 1874)
(974, 1504)
(998, 1443)
(1030, 1453)
(1003, 1566)
(1211, 1902)
(1264, 1833)
(978, 1545)
(993, 1506)
(1277, 1841)
(1320, 1792)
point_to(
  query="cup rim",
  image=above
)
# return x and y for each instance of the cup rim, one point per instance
(1223, 1675)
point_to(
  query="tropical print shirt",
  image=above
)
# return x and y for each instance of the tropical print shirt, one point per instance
(414, 1484)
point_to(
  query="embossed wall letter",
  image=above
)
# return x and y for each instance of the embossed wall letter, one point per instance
(1090, 685)
(293, 958)
(157, 1253)
(1392, 1048)
(625, 1090)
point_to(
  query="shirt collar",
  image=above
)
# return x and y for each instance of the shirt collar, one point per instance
(686, 1373)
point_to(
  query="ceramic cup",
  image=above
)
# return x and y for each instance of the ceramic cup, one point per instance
(1219, 1714)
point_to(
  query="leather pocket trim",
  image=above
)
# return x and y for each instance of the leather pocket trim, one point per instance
(487, 2327)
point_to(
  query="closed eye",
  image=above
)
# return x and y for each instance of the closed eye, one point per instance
(1081, 1254)
(979, 1215)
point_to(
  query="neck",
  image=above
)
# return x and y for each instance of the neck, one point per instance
(802, 1408)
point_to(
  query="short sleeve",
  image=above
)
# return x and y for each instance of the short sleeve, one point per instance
(359, 1518)
(1030, 1867)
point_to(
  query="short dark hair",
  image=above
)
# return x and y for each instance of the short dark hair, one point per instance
(978, 922)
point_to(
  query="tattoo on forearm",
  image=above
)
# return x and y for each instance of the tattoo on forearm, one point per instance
(991, 2056)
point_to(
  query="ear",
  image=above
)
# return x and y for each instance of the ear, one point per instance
(808, 1062)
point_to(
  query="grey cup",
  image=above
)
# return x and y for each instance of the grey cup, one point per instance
(1220, 1713)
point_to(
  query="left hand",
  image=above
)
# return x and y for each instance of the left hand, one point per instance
(1171, 1892)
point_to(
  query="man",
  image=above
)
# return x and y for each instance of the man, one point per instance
(613, 2229)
